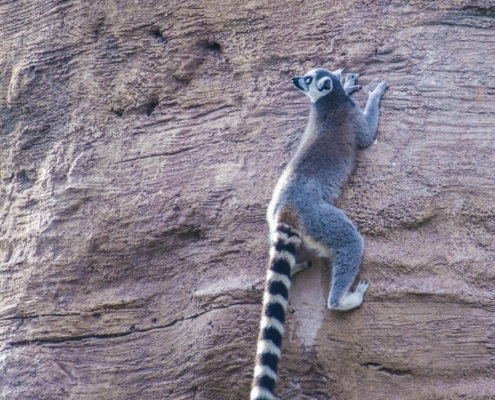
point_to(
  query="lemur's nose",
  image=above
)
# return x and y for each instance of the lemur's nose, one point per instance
(295, 81)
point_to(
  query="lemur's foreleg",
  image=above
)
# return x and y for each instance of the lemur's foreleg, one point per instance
(367, 136)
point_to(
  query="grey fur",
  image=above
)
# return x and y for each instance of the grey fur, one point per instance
(302, 213)
(312, 181)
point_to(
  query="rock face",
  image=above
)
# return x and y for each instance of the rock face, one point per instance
(139, 145)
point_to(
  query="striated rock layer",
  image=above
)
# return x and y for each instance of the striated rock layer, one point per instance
(139, 145)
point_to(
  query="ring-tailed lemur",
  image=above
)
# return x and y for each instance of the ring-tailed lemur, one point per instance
(301, 212)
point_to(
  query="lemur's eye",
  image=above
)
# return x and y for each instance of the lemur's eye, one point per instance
(308, 80)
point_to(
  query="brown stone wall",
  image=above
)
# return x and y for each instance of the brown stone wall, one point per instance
(139, 144)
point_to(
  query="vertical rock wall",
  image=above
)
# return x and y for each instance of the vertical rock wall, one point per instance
(139, 144)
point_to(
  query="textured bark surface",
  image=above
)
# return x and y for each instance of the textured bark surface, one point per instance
(139, 144)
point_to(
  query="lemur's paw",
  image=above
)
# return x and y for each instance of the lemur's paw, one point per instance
(362, 287)
(350, 83)
(350, 79)
(380, 89)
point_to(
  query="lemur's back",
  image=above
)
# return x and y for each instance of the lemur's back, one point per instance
(326, 154)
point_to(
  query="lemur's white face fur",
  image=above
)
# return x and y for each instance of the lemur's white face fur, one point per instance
(316, 83)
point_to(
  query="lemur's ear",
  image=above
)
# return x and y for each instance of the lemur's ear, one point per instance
(338, 73)
(324, 84)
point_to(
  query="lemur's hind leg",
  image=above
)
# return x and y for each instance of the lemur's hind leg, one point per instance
(350, 83)
(367, 136)
(328, 227)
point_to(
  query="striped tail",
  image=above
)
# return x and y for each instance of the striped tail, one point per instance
(285, 242)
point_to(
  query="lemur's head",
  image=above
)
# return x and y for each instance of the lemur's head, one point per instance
(317, 82)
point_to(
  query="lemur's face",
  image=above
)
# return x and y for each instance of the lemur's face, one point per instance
(316, 83)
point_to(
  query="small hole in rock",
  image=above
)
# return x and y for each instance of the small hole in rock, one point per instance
(151, 108)
(22, 176)
(158, 36)
(215, 46)
(118, 113)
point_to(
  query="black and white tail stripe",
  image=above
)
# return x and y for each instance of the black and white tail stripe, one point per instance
(285, 242)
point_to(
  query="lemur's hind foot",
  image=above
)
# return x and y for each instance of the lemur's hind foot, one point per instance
(351, 299)
(299, 267)
(350, 83)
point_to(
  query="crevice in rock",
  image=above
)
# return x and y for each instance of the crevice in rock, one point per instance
(22, 317)
(164, 154)
(488, 11)
(194, 235)
(49, 340)
(104, 336)
(389, 371)
(97, 30)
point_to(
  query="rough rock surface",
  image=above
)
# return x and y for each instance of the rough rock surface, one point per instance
(139, 144)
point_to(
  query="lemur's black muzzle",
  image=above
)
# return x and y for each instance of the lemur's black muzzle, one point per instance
(296, 83)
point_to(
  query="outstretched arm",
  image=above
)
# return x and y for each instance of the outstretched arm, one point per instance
(367, 136)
